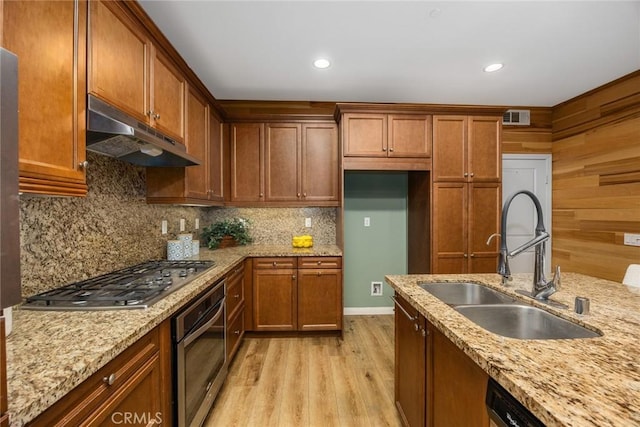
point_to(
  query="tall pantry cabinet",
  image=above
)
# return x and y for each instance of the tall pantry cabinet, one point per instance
(466, 206)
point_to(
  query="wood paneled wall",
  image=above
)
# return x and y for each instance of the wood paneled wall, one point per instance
(596, 179)
(532, 139)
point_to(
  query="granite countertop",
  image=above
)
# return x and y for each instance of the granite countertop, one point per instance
(578, 382)
(51, 352)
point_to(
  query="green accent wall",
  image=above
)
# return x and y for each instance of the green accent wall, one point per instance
(372, 252)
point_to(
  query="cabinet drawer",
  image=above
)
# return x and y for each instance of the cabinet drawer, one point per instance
(274, 263)
(235, 332)
(235, 290)
(320, 262)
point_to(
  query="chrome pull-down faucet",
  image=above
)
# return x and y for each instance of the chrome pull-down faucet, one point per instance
(541, 289)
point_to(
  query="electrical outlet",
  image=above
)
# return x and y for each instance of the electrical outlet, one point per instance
(163, 226)
(367, 221)
(376, 289)
(631, 239)
(182, 224)
(197, 224)
(307, 222)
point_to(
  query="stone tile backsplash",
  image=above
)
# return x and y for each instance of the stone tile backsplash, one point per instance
(66, 239)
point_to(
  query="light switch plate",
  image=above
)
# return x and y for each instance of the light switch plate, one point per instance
(307, 222)
(631, 239)
(197, 224)
(163, 226)
(182, 224)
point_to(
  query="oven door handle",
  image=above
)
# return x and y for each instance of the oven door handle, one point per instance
(195, 334)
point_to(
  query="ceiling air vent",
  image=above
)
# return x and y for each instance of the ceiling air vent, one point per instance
(517, 118)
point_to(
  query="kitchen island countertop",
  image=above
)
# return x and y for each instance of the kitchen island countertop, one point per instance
(573, 382)
(51, 352)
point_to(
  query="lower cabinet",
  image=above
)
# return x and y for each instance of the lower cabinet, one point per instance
(235, 310)
(436, 383)
(135, 385)
(297, 294)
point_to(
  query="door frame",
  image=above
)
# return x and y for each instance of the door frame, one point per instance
(547, 207)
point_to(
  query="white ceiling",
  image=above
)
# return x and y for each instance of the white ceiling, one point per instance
(404, 51)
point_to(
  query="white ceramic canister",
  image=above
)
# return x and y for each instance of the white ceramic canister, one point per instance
(187, 244)
(175, 250)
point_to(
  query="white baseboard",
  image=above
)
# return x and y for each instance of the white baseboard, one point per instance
(362, 311)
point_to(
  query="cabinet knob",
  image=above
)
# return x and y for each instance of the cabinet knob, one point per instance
(424, 333)
(473, 255)
(472, 174)
(275, 264)
(237, 332)
(466, 174)
(390, 149)
(466, 256)
(384, 149)
(293, 277)
(304, 194)
(150, 113)
(319, 262)
(237, 296)
(83, 165)
(110, 379)
(261, 194)
(156, 116)
(319, 273)
(298, 195)
(416, 326)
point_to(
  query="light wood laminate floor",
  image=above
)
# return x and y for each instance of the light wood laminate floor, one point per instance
(313, 381)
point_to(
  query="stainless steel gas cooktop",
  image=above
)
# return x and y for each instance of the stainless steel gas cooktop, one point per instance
(139, 286)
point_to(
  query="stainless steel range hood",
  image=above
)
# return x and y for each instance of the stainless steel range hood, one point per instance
(116, 134)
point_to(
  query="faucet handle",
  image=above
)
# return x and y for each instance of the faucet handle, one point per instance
(492, 236)
(557, 280)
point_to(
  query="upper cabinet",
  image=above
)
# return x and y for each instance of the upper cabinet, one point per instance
(374, 139)
(284, 164)
(51, 93)
(467, 149)
(128, 71)
(193, 185)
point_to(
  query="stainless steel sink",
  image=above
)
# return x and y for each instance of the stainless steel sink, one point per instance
(523, 322)
(459, 293)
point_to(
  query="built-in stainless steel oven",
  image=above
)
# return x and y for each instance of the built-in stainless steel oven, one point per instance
(199, 356)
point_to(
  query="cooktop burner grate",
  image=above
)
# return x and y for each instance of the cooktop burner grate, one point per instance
(138, 286)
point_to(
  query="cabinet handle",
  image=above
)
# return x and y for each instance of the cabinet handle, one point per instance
(275, 264)
(110, 379)
(410, 317)
(83, 165)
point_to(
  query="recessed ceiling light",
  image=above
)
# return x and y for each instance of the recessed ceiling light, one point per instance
(321, 63)
(493, 67)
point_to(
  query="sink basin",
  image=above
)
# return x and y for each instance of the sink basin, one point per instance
(461, 293)
(523, 322)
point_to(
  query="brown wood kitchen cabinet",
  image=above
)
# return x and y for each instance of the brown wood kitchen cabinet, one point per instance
(466, 193)
(138, 381)
(129, 72)
(52, 128)
(284, 164)
(436, 383)
(386, 141)
(297, 294)
(411, 344)
(193, 185)
(234, 309)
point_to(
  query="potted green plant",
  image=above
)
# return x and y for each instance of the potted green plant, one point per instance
(225, 233)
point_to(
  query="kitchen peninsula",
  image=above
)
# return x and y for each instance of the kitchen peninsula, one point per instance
(572, 382)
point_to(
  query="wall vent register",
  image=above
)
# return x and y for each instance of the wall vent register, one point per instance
(135, 287)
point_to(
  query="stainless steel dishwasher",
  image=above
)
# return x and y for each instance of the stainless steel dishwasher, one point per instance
(505, 410)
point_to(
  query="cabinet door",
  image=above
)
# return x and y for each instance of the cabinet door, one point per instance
(459, 386)
(484, 148)
(449, 148)
(275, 300)
(320, 171)
(118, 59)
(319, 299)
(247, 163)
(282, 157)
(449, 228)
(364, 135)
(410, 364)
(197, 145)
(409, 136)
(49, 39)
(484, 220)
(167, 96)
(216, 170)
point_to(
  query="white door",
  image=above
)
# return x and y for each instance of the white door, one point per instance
(526, 172)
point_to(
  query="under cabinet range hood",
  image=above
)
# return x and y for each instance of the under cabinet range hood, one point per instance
(116, 134)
